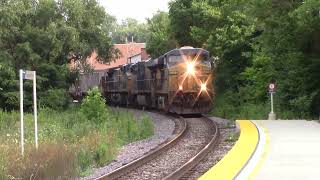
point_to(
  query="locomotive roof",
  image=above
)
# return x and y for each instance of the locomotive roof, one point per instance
(176, 52)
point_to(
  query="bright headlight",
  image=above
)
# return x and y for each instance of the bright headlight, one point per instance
(203, 87)
(190, 68)
(180, 88)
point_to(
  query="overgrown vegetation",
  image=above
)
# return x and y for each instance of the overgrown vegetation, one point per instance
(71, 141)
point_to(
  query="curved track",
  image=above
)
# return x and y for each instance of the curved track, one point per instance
(195, 138)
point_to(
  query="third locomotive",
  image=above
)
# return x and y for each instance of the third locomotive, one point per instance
(179, 81)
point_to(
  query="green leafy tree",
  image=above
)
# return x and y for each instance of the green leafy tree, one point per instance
(45, 36)
(128, 30)
(182, 19)
(160, 39)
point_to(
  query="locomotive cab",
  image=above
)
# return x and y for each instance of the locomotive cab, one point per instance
(190, 81)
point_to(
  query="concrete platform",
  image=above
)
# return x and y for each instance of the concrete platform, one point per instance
(293, 151)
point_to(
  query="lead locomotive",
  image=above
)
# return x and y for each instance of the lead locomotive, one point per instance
(179, 81)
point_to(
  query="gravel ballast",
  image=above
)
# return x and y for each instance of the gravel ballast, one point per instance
(163, 130)
(196, 136)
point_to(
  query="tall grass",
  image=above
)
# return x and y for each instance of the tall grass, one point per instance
(69, 143)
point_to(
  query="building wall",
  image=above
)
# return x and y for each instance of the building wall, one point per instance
(135, 59)
(144, 54)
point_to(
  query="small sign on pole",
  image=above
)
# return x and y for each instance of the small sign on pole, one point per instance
(28, 75)
(272, 89)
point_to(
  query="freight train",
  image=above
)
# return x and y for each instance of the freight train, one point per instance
(180, 81)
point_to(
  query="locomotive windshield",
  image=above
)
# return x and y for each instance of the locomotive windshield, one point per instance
(180, 56)
(176, 59)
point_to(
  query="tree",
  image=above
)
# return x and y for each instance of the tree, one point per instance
(46, 35)
(181, 21)
(129, 29)
(160, 39)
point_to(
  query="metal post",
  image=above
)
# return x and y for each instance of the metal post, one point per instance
(21, 110)
(272, 115)
(271, 102)
(35, 109)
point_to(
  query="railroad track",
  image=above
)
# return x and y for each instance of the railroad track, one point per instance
(174, 159)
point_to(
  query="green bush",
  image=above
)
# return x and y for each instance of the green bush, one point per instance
(93, 107)
(56, 99)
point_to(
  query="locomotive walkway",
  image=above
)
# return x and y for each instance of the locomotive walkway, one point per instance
(279, 149)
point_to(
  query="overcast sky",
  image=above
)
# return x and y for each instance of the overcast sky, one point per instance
(137, 9)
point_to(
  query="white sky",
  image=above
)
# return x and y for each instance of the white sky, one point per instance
(137, 9)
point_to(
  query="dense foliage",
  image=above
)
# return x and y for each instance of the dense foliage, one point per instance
(160, 39)
(45, 36)
(254, 42)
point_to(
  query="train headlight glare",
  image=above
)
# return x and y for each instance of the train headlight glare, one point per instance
(180, 88)
(190, 68)
(203, 87)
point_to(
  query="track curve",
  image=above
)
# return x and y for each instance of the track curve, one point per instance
(172, 160)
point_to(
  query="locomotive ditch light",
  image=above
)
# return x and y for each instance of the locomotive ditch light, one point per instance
(180, 88)
(203, 87)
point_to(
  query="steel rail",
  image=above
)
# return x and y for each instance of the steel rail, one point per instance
(146, 158)
(200, 155)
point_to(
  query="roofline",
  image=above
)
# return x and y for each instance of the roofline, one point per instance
(128, 43)
(177, 49)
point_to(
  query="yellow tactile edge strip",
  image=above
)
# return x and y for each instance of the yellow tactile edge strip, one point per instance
(232, 163)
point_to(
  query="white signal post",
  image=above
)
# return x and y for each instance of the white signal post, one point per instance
(29, 75)
(272, 115)
(21, 111)
(35, 109)
(271, 102)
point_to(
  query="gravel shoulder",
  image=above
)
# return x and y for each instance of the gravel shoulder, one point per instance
(163, 130)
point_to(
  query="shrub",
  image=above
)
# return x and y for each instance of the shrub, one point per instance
(93, 107)
(56, 99)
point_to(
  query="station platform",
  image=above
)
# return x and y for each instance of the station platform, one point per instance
(271, 150)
